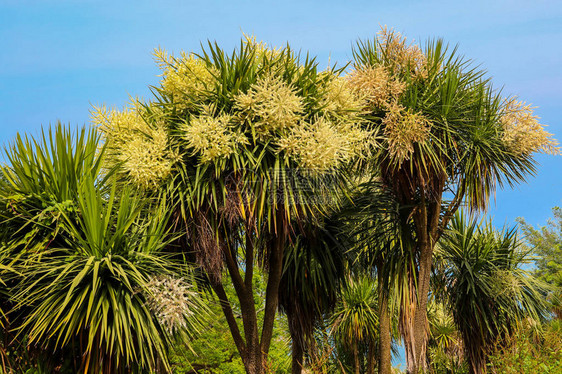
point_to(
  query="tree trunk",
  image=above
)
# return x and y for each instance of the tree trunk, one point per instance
(297, 356)
(385, 354)
(371, 358)
(252, 349)
(415, 340)
(254, 363)
(356, 363)
(298, 344)
(272, 289)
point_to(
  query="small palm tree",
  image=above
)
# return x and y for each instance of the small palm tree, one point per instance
(40, 180)
(313, 272)
(445, 349)
(94, 293)
(489, 292)
(355, 323)
(91, 275)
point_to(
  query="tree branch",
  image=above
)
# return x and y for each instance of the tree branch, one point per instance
(273, 281)
(230, 319)
(451, 210)
(249, 274)
(245, 292)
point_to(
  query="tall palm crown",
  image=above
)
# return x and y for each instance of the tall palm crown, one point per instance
(215, 114)
(443, 132)
(228, 130)
(441, 124)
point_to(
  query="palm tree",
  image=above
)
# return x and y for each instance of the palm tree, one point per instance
(242, 143)
(379, 238)
(489, 292)
(355, 323)
(91, 277)
(443, 132)
(96, 292)
(314, 269)
(40, 178)
(445, 349)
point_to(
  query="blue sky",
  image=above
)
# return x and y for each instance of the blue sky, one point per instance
(59, 57)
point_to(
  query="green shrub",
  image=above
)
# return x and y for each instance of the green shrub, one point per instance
(529, 351)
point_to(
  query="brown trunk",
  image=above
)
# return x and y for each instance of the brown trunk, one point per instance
(416, 340)
(384, 332)
(250, 321)
(298, 344)
(406, 323)
(410, 360)
(371, 358)
(356, 364)
(260, 349)
(254, 360)
(297, 356)
(252, 356)
(250, 349)
(426, 221)
(273, 281)
(229, 314)
(254, 363)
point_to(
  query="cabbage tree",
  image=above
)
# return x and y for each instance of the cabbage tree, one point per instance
(243, 144)
(92, 290)
(446, 138)
(489, 291)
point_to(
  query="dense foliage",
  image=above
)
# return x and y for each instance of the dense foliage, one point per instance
(527, 351)
(546, 244)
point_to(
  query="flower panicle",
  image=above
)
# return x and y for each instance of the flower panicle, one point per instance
(270, 105)
(170, 299)
(211, 135)
(401, 57)
(378, 87)
(139, 142)
(522, 132)
(341, 100)
(322, 145)
(402, 129)
(186, 80)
